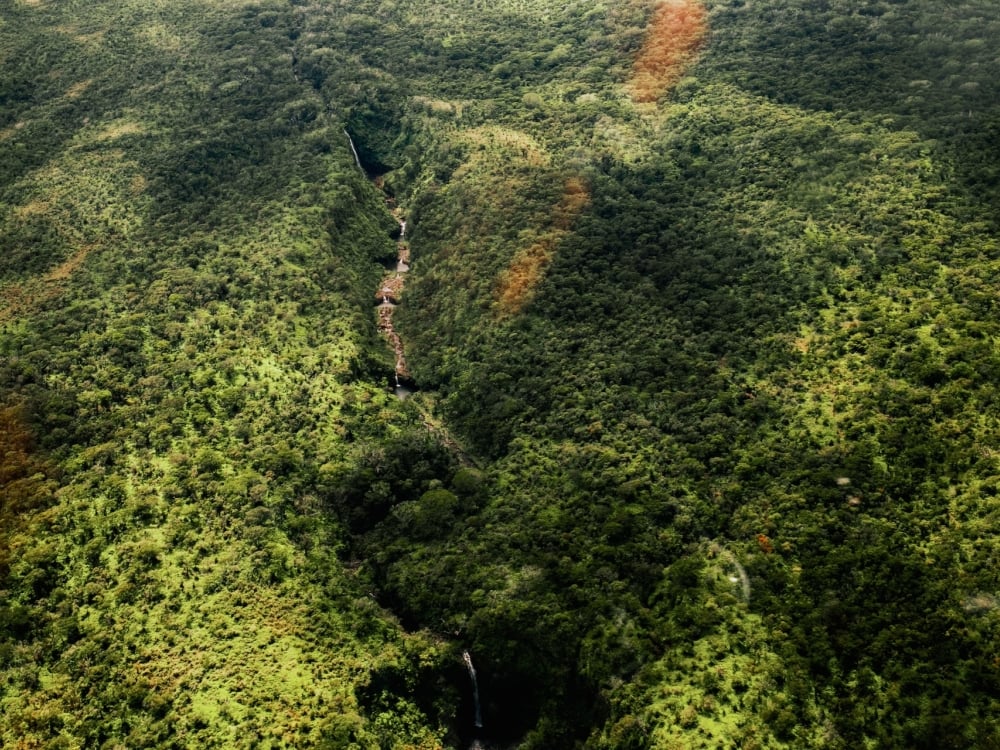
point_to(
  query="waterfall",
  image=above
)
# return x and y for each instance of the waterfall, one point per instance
(742, 578)
(738, 575)
(467, 658)
(402, 229)
(357, 159)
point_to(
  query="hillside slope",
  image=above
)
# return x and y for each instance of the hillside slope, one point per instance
(701, 310)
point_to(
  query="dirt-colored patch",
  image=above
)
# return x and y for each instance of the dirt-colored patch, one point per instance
(673, 38)
(516, 286)
(391, 288)
(8, 132)
(76, 90)
(66, 269)
(33, 208)
(19, 299)
(120, 129)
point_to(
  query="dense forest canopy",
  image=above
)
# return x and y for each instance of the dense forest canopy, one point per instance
(702, 312)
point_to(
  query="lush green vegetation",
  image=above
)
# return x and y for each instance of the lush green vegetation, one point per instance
(722, 366)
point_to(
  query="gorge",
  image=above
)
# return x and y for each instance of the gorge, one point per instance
(701, 308)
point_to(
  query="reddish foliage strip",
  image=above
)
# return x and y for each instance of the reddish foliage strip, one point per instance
(673, 37)
(517, 285)
(23, 480)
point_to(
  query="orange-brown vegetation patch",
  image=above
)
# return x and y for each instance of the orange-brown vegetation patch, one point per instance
(673, 38)
(66, 269)
(16, 299)
(19, 299)
(574, 199)
(765, 544)
(23, 480)
(517, 284)
(801, 344)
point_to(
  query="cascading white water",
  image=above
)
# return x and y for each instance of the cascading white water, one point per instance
(402, 229)
(357, 159)
(741, 578)
(467, 658)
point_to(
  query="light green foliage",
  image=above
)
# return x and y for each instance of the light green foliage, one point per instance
(724, 366)
(190, 266)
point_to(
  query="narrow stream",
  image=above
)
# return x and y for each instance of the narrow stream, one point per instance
(467, 658)
(390, 291)
(357, 159)
(388, 295)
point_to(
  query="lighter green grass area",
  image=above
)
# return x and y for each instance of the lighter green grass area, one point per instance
(723, 691)
(225, 629)
(625, 141)
(166, 38)
(81, 194)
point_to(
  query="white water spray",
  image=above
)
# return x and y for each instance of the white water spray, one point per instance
(357, 159)
(742, 578)
(467, 658)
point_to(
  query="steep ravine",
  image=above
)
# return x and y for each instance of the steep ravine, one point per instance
(467, 723)
(388, 295)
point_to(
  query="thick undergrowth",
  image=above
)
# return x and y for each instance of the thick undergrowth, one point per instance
(700, 304)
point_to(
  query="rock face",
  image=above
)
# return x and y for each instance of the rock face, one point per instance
(388, 295)
(391, 288)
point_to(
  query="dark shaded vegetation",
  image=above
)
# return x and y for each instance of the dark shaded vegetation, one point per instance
(704, 449)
